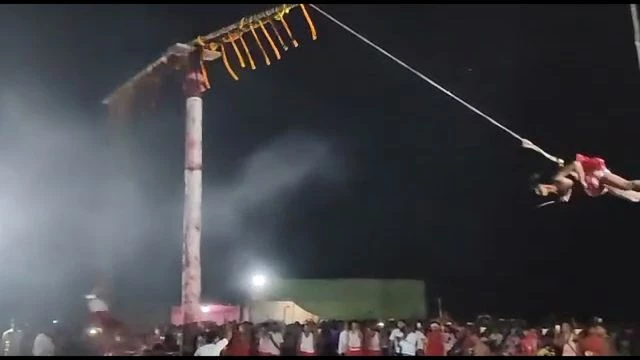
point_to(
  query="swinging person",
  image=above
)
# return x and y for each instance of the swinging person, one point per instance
(594, 176)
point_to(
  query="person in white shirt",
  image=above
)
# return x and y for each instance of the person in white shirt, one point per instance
(397, 334)
(354, 341)
(343, 339)
(214, 346)
(411, 343)
(270, 342)
(43, 346)
(422, 338)
(307, 345)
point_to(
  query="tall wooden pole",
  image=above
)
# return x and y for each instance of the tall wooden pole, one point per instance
(192, 217)
(636, 29)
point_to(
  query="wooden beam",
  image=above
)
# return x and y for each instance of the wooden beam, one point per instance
(177, 51)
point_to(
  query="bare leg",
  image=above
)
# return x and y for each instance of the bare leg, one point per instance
(620, 183)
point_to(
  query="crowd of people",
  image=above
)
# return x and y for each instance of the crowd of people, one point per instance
(411, 338)
(354, 338)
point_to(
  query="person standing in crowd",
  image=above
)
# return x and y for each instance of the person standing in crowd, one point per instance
(478, 348)
(343, 339)
(43, 345)
(215, 343)
(372, 341)
(355, 341)
(307, 342)
(566, 340)
(595, 343)
(512, 343)
(270, 340)
(449, 336)
(12, 340)
(434, 342)
(529, 346)
(411, 343)
(397, 334)
(240, 342)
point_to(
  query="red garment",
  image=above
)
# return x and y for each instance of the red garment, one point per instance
(239, 346)
(529, 345)
(595, 345)
(374, 353)
(435, 344)
(594, 169)
(303, 353)
(355, 352)
(591, 164)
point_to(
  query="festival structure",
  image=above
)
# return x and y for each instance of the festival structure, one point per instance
(191, 60)
(271, 34)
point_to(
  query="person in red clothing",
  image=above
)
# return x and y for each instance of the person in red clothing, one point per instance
(594, 176)
(240, 344)
(530, 344)
(434, 344)
(596, 343)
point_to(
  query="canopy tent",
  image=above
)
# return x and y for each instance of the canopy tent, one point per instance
(352, 298)
(286, 311)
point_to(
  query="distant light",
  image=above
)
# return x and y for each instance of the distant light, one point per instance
(90, 296)
(205, 308)
(380, 324)
(55, 321)
(258, 281)
(93, 331)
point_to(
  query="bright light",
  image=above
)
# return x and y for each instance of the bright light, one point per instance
(258, 281)
(55, 321)
(205, 308)
(90, 296)
(380, 324)
(93, 331)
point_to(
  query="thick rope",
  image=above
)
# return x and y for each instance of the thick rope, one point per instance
(525, 143)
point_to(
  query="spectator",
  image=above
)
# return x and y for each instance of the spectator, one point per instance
(566, 340)
(43, 345)
(355, 341)
(372, 339)
(397, 334)
(269, 341)
(434, 342)
(11, 340)
(215, 344)
(343, 342)
(595, 343)
(308, 341)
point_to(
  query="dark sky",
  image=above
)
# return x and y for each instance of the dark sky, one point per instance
(409, 182)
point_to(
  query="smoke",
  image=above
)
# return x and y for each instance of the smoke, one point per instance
(74, 202)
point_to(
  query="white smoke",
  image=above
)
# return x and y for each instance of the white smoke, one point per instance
(72, 202)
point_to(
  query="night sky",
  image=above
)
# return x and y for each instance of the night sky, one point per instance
(411, 184)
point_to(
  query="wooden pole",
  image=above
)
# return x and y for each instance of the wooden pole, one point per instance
(192, 216)
(636, 29)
